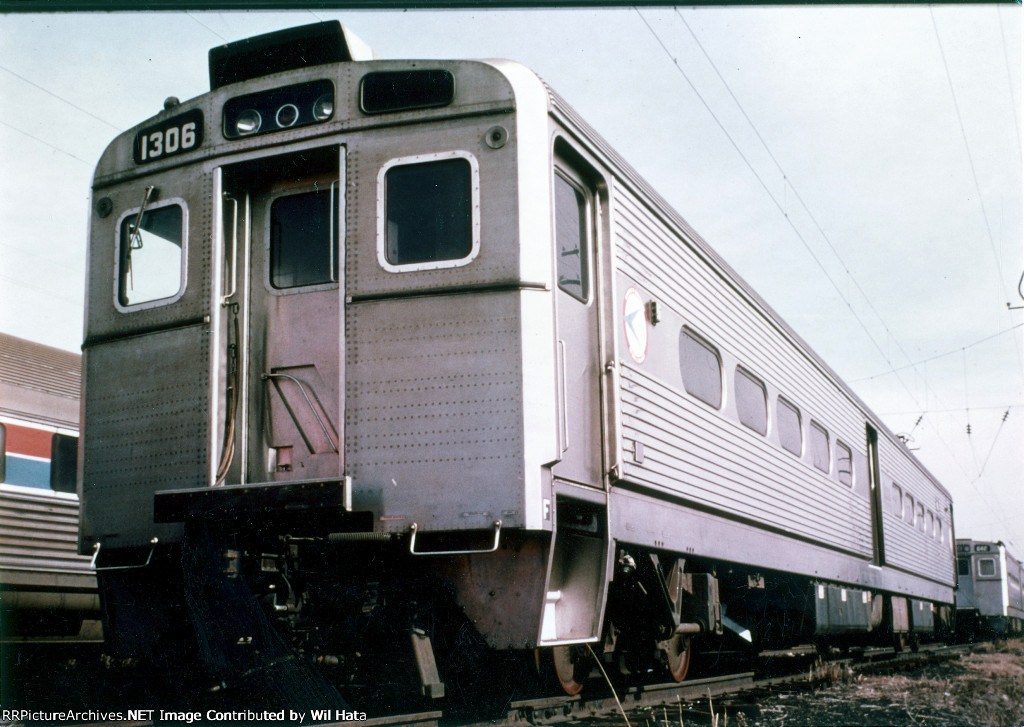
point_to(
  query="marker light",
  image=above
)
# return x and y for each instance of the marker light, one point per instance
(323, 108)
(287, 115)
(248, 122)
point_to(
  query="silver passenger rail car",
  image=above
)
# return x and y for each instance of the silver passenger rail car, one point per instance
(47, 591)
(408, 349)
(989, 599)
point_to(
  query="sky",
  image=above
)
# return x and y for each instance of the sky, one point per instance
(859, 166)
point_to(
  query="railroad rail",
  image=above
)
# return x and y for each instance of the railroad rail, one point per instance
(798, 667)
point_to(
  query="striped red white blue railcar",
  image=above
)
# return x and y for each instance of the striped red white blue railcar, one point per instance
(47, 590)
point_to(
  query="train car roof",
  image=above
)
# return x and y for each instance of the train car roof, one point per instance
(39, 383)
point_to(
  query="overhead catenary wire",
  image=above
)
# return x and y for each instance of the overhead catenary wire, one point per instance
(47, 259)
(28, 285)
(789, 185)
(957, 410)
(189, 14)
(940, 355)
(45, 143)
(778, 205)
(993, 446)
(1009, 82)
(799, 235)
(765, 187)
(967, 409)
(974, 175)
(62, 99)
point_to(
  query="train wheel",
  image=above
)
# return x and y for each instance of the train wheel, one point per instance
(678, 654)
(572, 666)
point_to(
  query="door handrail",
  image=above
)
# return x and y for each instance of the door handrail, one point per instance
(302, 389)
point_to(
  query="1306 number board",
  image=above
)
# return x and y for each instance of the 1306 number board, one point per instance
(172, 136)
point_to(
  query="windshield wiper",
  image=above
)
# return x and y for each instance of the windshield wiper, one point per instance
(135, 235)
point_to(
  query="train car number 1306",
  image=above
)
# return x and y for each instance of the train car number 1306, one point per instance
(173, 136)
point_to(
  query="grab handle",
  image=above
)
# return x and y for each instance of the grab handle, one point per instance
(96, 556)
(234, 250)
(412, 543)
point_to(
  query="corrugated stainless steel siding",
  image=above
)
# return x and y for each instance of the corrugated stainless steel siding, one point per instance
(706, 459)
(714, 305)
(703, 455)
(906, 546)
(39, 535)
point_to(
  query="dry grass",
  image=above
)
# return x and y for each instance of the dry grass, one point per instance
(982, 689)
(991, 688)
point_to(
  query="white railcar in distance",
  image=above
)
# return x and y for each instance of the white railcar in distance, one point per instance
(989, 599)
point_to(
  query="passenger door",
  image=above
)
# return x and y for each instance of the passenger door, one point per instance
(284, 218)
(576, 215)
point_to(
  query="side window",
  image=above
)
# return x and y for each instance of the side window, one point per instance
(701, 368)
(751, 401)
(428, 212)
(919, 520)
(790, 433)
(64, 463)
(817, 443)
(304, 239)
(986, 567)
(151, 255)
(897, 500)
(908, 511)
(571, 238)
(844, 464)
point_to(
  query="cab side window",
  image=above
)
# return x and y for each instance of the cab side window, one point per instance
(571, 234)
(151, 255)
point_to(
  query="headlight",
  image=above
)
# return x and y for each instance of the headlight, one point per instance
(248, 122)
(277, 109)
(323, 108)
